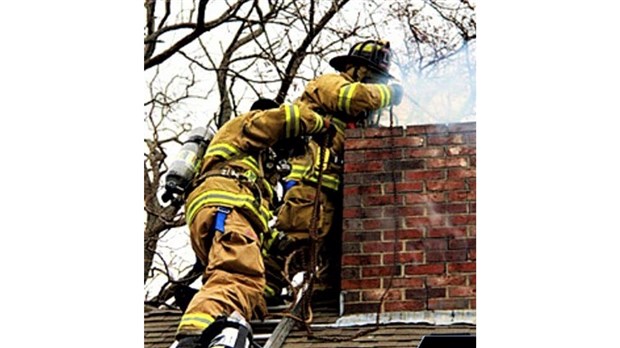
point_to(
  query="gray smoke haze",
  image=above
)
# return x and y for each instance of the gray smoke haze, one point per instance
(441, 94)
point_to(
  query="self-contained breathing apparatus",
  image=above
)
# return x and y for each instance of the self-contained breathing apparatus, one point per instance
(186, 165)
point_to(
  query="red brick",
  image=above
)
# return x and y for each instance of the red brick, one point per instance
(447, 232)
(471, 254)
(460, 150)
(360, 283)
(381, 200)
(471, 183)
(472, 161)
(413, 175)
(467, 243)
(358, 260)
(445, 140)
(352, 296)
(351, 225)
(469, 219)
(383, 154)
(425, 152)
(472, 303)
(352, 212)
(354, 156)
(376, 294)
(471, 231)
(350, 273)
(418, 222)
(433, 268)
(409, 164)
(352, 201)
(410, 141)
(417, 294)
(360, 236)
(409, 233)
(472, 207)
(364, 144)
(461, 173)
(445, 280)
(408, 282)
(415, 186)
(427, 244)
(378, 247)
(410, 305)
(401, 258)
(390, 211)
(445, 185)
(450, 208)
(462, 267)
(362, 213)
(444, 303)
(462, 291)
(447, 162)
(351, 248)
(381, 271)
(472, 279)
(366, 166)
(446, 255)
(423, 129)
(352, 133)
(361, 307)
(383, 132)
(411, 198)
(380, 224)
(459, 196)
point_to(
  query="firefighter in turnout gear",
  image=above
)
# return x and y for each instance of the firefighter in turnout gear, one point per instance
(350, 97)
(228, 210)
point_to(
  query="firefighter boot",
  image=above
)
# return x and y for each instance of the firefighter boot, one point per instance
(227, 332)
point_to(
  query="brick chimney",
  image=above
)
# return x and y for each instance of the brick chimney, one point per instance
(409, 207)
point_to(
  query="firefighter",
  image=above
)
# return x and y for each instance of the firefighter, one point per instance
(352, 96)
(228, 211)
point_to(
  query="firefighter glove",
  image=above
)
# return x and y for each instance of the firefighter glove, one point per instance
(397, 93)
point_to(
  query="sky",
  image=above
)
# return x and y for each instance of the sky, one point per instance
(71, 148)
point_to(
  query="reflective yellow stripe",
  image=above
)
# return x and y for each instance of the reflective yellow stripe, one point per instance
(269, 188)
(268, 290)
(296, 120)
(223, 150)
(318, 124)
(225, 198)
(340, 126)
(382, 93)
(344, 97)
(299, 172)
(327, 153)
(368, 47)
(199, 320)
(251, 162)
(292, 120)
(388, 95)
(328, 181)
(349, 97)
